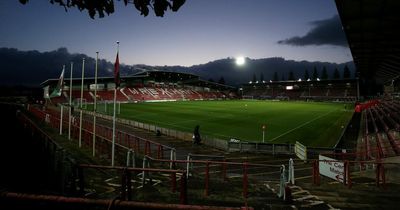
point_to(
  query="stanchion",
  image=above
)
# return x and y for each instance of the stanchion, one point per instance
(173, 182)
(224, 166)
(315, 174)
(347, 176)
(380, 175)
(206, 192)
(245, 180)
(183, 190)
(160, 152)
(128, 186)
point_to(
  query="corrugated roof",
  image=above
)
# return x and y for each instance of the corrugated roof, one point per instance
(372, 28)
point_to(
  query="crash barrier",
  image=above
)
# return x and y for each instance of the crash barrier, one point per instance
(214, 175)
(127, 174)
(345, 171)
(370, 150)
(30, 201)
(102, 143)
(82, 182)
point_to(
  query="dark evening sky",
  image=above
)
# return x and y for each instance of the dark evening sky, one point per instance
(201, 31)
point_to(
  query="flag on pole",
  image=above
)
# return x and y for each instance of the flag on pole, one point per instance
(117, 83)
(57, 91)
(117, 79)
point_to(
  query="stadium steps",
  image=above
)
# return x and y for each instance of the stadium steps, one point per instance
(301, 198)
(363, 194)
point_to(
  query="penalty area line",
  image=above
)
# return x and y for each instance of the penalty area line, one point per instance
(306, 123)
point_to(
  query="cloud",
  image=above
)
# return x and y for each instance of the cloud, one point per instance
(324, 32)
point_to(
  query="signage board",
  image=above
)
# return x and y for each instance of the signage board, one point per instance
(331, 168)
(300, 150)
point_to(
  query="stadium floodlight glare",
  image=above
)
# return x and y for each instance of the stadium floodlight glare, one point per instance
(240, 60)
(318, 79)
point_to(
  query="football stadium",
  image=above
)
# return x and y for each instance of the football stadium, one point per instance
(287, 116)
(159, 139)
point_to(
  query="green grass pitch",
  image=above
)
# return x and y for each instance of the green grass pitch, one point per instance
(311, 123)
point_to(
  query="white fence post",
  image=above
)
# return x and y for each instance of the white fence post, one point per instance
(188, 166)
(61, 118)
(172, 157)
(282, 182)
(291, 171)
(143, 172)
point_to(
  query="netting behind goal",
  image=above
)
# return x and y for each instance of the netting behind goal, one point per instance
(247, 97)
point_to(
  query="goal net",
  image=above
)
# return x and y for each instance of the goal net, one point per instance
(247, 97)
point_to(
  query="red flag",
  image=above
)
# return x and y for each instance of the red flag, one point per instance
(117, 79)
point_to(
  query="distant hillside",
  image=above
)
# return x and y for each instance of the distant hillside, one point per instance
(33, 67)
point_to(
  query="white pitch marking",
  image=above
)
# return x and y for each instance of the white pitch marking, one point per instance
(291, 130)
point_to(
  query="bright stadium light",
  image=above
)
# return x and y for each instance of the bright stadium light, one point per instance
(240, 60)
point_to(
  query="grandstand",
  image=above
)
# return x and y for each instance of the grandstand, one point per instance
(143, 86)
(324, 90)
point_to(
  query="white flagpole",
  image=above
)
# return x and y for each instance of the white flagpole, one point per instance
(70, 102)
(61, 118)
(80, 117)
(61, 107)
(95, 106)
(113, 134)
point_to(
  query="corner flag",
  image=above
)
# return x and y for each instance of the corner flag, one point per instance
(57, 91)
(117, 79)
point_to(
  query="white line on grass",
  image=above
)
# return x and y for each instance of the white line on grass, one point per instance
(291, 130)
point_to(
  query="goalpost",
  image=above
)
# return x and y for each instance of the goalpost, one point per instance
(77, 102)
(247, 97)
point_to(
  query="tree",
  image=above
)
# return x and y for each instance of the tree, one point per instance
(221, 81)
(315, 73)
(291, 76)
(346, 72)
(211, 80)
(261, 77)
(306, 75)
(336, 74)
(102, 7)
(324, 73)
(254, 77)
(275, 76)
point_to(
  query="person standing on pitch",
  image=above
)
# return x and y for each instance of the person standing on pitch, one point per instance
(196, 135)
